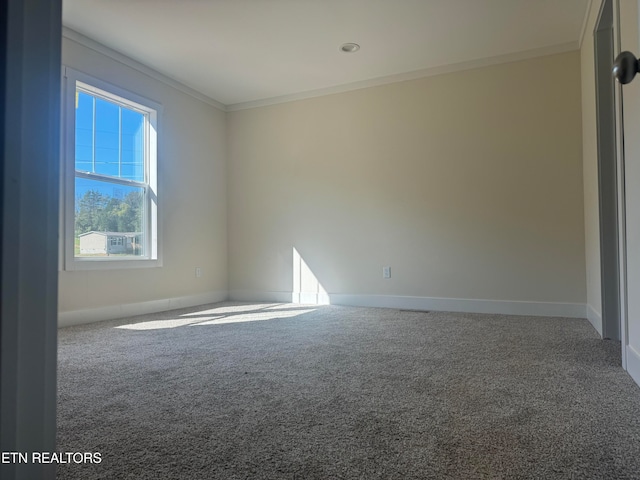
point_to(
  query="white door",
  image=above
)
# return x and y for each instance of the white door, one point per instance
(629, 27)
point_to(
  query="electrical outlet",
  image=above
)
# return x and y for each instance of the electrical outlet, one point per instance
(198, 272)
(386, 272)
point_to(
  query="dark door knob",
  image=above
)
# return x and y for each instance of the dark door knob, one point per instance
(625, 67)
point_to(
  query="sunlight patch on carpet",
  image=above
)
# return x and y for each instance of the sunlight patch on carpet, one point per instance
(234, 309)
(221, 315)
(160, 324)
(254, 317)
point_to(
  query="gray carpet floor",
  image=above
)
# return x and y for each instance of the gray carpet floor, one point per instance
(279, 391)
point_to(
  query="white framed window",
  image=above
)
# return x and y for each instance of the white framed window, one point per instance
(110, 176)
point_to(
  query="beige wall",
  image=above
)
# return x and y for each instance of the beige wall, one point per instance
(590, 165)
(469, 185)
(192, 171)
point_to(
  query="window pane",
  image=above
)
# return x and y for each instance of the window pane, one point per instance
(112, 216)
(109, 138)
(107, 153)
(132, 154)
(108, 219)
(84, 132)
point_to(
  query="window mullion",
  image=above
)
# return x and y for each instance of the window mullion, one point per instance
(93, 134)
(119, 141)
(106, 178)
(146, 218)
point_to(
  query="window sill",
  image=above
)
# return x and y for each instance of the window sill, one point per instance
(110, 264)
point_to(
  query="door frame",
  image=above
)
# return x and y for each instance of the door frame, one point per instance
(608, 179)
(620, 227)
(30, 137)
(622, 214)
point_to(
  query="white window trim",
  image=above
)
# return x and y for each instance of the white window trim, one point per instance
(153, 217)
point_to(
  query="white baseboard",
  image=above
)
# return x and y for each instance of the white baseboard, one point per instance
(280, 297)
(633, 363)
(541, 309)
(311, 298)
(260, 296)
(595, 319)
(91, 315)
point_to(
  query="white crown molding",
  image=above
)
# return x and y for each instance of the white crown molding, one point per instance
(585, 22)
(91, 315)
(129, 62)
(373, 82)
(401, 77)
(506, 307)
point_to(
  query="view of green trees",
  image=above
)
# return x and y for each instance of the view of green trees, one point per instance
(98, 212)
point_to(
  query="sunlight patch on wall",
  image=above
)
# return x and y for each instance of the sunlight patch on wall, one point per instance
(306, 287)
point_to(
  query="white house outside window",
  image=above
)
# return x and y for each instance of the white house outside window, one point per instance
(110, 176)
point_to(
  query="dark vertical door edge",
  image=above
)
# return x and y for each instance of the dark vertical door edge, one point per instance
(30, 58)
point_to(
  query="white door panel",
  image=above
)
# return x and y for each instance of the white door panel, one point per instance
(629, 26)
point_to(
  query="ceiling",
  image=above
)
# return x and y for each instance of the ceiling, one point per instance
(242, 52)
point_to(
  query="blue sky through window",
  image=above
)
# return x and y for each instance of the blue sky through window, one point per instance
(109, 141)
